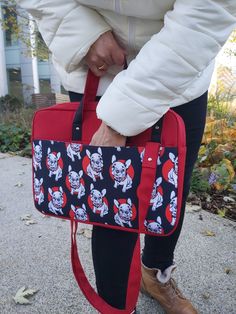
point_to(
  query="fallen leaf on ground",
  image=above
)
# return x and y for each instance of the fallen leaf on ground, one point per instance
(19, 184)
(194, 208)
(87, 233)
(21, 295)
(46, 216)
(228, 199)
(26, 217)
(222, 212)
(80, 231)
(206, 296)
(209, 233)
(28, 220)
(228, 271)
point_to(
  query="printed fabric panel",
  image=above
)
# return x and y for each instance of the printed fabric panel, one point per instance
(88, 183)
(162, 214)
(99, 185)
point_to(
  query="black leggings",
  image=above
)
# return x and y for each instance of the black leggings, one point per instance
(112, 249)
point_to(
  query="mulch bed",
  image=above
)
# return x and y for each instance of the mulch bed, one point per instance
(220, 203)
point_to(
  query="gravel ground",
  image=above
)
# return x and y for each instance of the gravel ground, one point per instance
(38, 256)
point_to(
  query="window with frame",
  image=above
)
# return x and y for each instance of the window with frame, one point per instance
(45, 86)
(10, 25)
(14, 82)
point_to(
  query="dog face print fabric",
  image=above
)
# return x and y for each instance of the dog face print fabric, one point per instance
(98, 185)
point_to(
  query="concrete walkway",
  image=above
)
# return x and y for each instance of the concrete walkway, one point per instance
(38, 255)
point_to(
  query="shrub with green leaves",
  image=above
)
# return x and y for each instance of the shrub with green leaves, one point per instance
(14, 138)
(10, 103)
(199, 181)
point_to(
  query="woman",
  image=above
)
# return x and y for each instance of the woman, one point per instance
(170, 47)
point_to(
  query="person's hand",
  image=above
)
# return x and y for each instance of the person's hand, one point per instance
(105, 136)
(104, 53)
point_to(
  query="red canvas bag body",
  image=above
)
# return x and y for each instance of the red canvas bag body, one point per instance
(137, 188)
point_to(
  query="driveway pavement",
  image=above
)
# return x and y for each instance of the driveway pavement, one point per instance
(37, 255)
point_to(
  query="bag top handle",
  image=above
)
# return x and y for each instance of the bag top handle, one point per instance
(91, 86)
(162, 131)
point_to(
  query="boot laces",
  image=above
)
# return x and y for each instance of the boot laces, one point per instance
(174, 288)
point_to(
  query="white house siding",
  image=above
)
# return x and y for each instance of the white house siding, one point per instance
(3, 81)
(17, 57)
(227, 60)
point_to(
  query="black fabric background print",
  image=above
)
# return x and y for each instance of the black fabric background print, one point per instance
(97, 184)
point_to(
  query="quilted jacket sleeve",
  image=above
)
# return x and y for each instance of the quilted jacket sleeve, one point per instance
(62, 23)
(167, 65)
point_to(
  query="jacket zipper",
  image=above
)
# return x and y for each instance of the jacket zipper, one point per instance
(131, 34)
(117, 6)
(131, 26)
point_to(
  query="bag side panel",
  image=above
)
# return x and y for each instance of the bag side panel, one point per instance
(163, 213)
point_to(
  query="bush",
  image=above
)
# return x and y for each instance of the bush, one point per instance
(15, 126)
(199, 181)
(22, 118)
(220, 107)
(10, 103)
(14, 138)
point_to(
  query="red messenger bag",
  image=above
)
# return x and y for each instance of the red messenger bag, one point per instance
(137, 188)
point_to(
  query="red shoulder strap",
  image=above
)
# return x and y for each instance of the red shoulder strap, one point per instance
(91, 294)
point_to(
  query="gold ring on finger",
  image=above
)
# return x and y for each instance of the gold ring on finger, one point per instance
(102, 67)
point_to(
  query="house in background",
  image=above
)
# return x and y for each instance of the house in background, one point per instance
(224, 76)
(21, 74)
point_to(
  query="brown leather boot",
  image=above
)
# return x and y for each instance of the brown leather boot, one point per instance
(160, 286)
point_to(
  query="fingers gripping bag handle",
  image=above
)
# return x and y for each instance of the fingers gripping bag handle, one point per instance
(90, 93)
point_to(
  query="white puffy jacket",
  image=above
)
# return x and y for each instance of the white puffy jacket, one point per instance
(172, 45)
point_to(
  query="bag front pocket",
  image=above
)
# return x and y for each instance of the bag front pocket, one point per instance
(90, 184)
